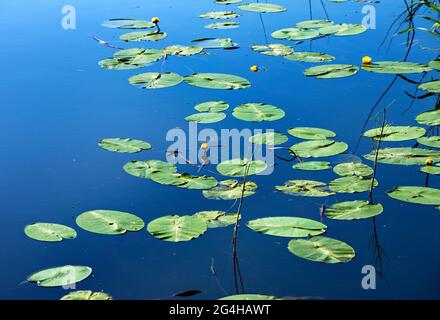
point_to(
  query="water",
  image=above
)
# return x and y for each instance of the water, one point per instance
(57, 103)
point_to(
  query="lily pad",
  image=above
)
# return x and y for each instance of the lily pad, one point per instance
(184, 180)
(217, 219)
(331, 71)
(143, 169)
(291, 227)
(50, 232)
(227, 1)
(353, 169)
(311, 133)
(305, 188)
(318, 148)
(431, 86)
(273, 49)
(230, 190)
(142, 36)
(124, 145)
(322, 249)
(269, 138)
(216, 43)
(139, 56)
(127, 24)
(60, 276)
(309, 57)
(176, 228)
(109, 222)
(404, 156)
(432, 141)
(395, 133)
(223, 25)
(250, 297)
(351, 184)
(239, 167)
(257, 112)
(212, 106)
(219, 15)
(86, 295)
(435, 64)
(433, 169)
(118, 64)
(419, 195)
(206, 117)
(262, 7)
(395, 67)
(295, 34)
(155, 80)
(312, 165)
(217, 81)
(182, 51)
(311, 24)
(429, 118)
(345, 29)
(353, 210)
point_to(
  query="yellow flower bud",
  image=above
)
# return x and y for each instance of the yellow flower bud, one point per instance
(204, 146)
(366, 60)
(155, 20)
(254, 68)
(429, 162)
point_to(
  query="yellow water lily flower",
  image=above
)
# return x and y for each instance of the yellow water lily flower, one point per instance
(204, 146)
(367, 60)
(155, 20)
(429, 162)
(254, 68)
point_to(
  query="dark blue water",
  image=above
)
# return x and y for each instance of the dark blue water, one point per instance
(57, 103)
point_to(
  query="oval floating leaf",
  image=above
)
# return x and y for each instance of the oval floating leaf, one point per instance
(295, 34)
(353, 169)
(219, 15)
(249, 297)
(433, 169)
(143, 169)
(127, 24)
(305, 188)
(318, 148)
(432, 141)
(351, 184)
(311, 133)
(312, 165)
(273, 49)
(206, 117)
(331, 71)
(353, 210)
(60, 276)
(155, 80)
(311, 24)
(217, 81)
(431, 86)
(419, 195)
(50, 232)
(177, 228)
(269, 138)
(403, 156)
(309, 57)
(124, 145)
(257, 112)
(239, 167)
(227, 1)
(429, 118)
(109, 222)
(183, 51)
(230, 190)
(262, 7)
(86, 295)
(395, 133)
(142, 36)
(291, 227)
(217, 219)
(184, 180)
(345, 29)
(223, 25)
(212, 106)
(395, 67)
(216, 43)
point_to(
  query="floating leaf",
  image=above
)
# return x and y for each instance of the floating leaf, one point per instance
(432, 141)
(353, 169)
(262, 7)
(322, 249)
(291, 227)
(311, 133)
(269, 138)
(60, 276)
(403, 156)
(184, 180)
(429, 118)
(125, 145)
(183, 51)
(127, 24)
(435, 64)
(331, 71)
(309, 57)
(433, 169)
(216, 43)
(219, 15)
(143, 169)
(239, 167)
(295, 34)
(318, 148)
(395, 133)
(217, 81)
(311, 24)
(142, 36)
(50, 232)
(249, 297)
(212, 106)
(419, 195)
(206, 117)
(351, 184)
(217, 219)
(155, 80)
(109, 222)
(86, 295)
(312, 165)
(395, 67)
(345, 29)
(353, 210)
(226, 1)
(223, 25)
(117, 64)
(230, 190)
(177, 228)
(257, 112)
(432, 86)
(306, 188)
(139, 56)
(273, 49)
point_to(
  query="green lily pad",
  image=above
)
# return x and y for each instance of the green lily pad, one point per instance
(322, 249)
(216, 43)
(262, 7)
(182, 51)
(219, 15)
(127, 24)
(60, 276)
(312, 165)
(311, 133)
(312, 24)
(269, 138)
(318, 148)
(395, 67)
(309, 57)
(239, 167)
(431, 86)
(121, 64)
(305, 188)
(395, 133)
(273, 49)
(249, 297)
(217, 219)
(419, 195)
(257, 112)
(206, 117)
(353, 169)
(176, 228)
(351, 184)
(86, 295)
(109, 222)
(227, 1)
(143, 169)
(155, 80)
(345, 29)
(353, 210)
(295, 34)
(432, 141)
(435, 64)
(142, 36)
(184, 180)
(212, 106)
(404, 156)
(223, 25)
(291, 227)
(429, 118)
(139, 56)
(230, 190)
(433, 169)
(331, 71)
(50, 232)
(217, 81)
(124, 145)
